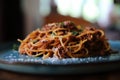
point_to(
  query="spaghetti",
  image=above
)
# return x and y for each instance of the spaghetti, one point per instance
(65, 40)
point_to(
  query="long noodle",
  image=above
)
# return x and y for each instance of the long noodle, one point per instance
(65, 40)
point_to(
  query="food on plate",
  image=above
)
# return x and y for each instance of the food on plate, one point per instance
(65, 40)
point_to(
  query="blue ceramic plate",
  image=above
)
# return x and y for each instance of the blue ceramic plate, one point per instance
(11, 60)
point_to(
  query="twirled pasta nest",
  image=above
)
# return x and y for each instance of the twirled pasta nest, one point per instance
(65, 40)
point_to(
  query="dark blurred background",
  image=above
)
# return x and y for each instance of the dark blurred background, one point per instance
(11, 20)
(19, 17)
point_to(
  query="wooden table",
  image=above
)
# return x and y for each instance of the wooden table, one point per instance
(8, 75)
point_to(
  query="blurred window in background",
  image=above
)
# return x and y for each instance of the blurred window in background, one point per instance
(90, 10)
(23, 16)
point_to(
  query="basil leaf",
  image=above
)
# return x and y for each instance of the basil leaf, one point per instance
(74, 33)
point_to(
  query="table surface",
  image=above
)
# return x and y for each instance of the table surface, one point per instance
(8, 75)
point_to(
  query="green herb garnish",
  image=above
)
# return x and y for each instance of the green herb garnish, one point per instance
(75, 33)
(15, 47)
(62, 24)
(80, 30)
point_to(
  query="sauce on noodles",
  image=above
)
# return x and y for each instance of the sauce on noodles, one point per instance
(65, 40)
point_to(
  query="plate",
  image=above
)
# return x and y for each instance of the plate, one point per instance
(11, 60)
